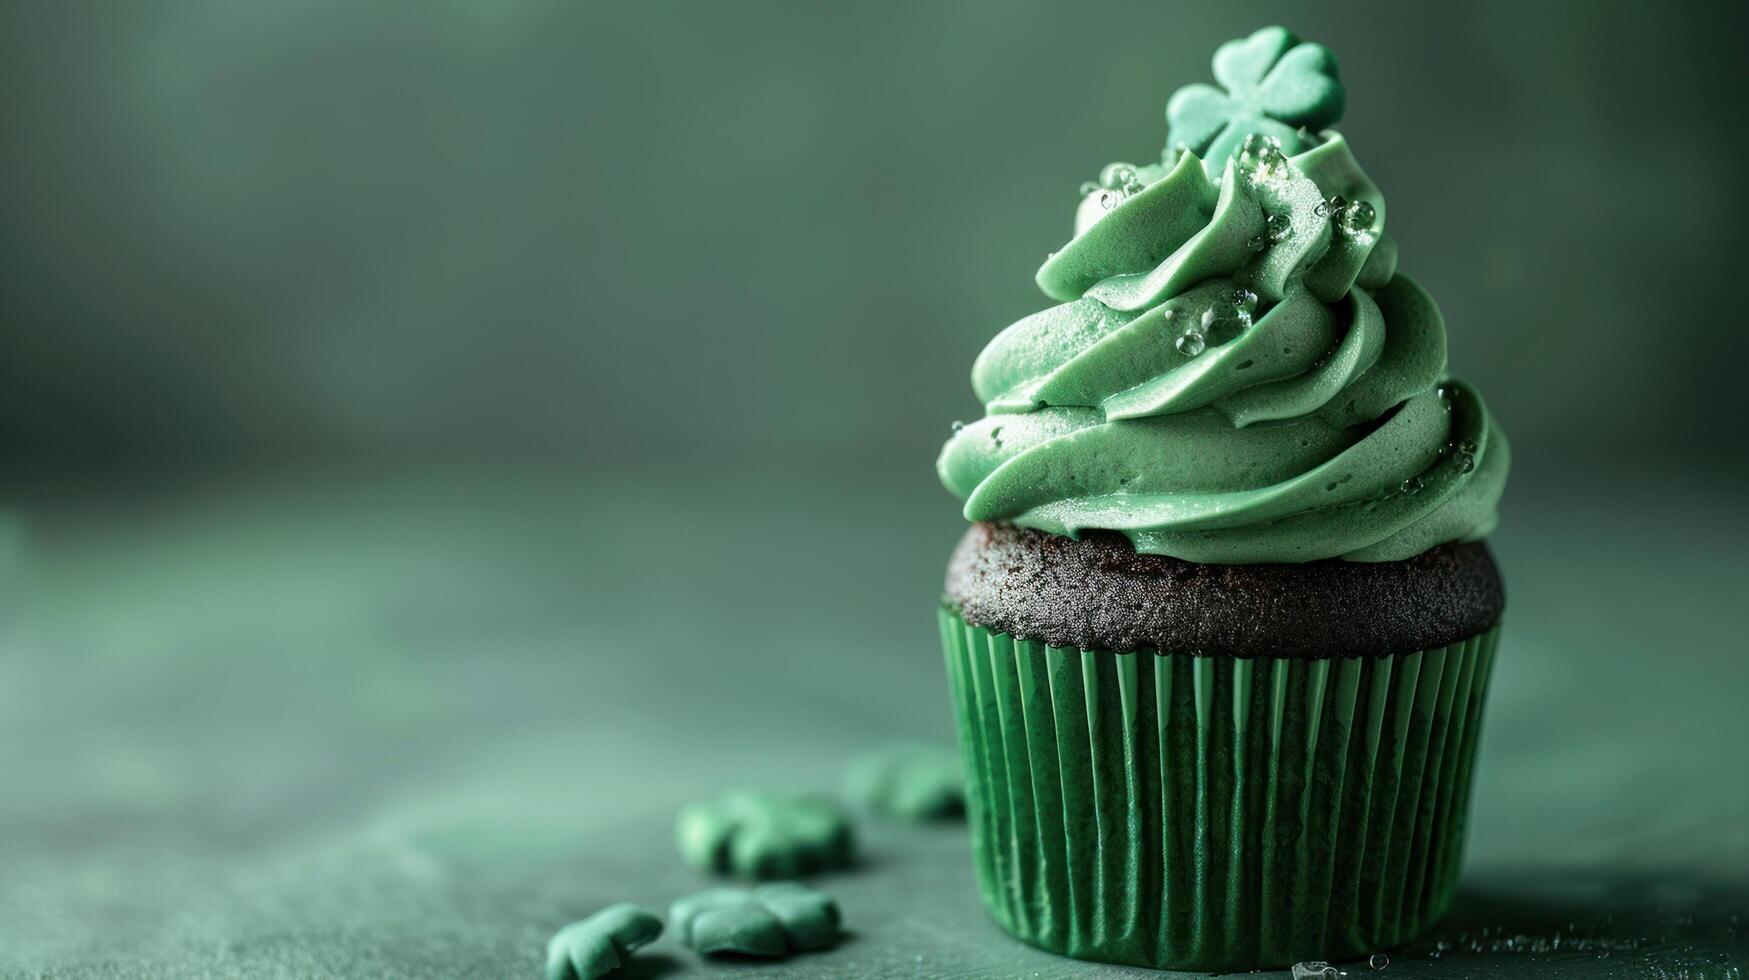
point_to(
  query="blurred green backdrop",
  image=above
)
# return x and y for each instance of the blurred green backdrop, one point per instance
(757, 234)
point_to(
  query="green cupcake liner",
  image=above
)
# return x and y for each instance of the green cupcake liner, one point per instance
(1211, 812)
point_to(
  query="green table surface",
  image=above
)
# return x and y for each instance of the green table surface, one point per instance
(407, 727)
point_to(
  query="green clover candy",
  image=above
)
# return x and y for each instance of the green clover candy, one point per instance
(764, 835)
(912, 781)
(1274, 84)
(771, 920)
(600, 944)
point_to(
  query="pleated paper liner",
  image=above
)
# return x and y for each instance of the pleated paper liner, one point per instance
(1214, 813)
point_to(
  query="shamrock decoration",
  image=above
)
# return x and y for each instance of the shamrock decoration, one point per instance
(771, 920)
(912, 781)
(1275, 86)
(600, 944)
(764, 835)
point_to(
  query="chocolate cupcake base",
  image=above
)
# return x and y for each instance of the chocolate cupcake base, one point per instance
(1099, 594)
(1174, 808)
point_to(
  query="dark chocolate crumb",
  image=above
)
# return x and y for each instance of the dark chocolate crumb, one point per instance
(1099, 594)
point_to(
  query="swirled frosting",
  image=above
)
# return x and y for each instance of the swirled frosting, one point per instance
(1236, 372)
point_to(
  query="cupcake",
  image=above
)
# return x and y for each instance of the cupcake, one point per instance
(1220, 631)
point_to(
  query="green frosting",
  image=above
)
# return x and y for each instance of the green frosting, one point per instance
(771, 920)
(764, 835)
(1237, 372)
(600, 944)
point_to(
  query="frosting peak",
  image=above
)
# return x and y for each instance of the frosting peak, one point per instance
(1236, 371)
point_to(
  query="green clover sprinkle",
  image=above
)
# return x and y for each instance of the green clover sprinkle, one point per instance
(911, 781)
(600, 944)
(1272, 84)
(771, 920)
(764, 835)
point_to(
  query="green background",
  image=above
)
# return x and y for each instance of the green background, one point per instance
(442, 438)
